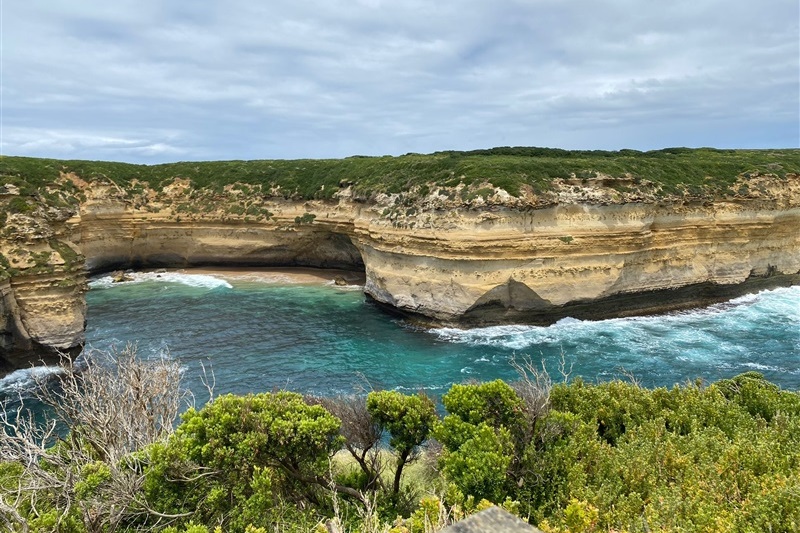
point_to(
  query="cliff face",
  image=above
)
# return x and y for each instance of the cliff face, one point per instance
(42, 305)
(116, 232)
(584, 249)
(589, 261)
(40, 316)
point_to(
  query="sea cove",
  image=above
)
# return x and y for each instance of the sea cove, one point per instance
(467, 239)
(271, 329)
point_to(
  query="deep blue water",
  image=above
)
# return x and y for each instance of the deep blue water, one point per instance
(324, 339)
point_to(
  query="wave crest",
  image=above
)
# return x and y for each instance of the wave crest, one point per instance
(192, 280)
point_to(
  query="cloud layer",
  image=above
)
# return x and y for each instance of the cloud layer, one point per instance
(150, 81)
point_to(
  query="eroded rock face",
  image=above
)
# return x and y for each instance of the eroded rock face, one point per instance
(43, 315)
(42, 304)
(116, 235)
(589, 261)
(582, 249)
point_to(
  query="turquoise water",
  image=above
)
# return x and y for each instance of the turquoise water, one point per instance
(325, 339)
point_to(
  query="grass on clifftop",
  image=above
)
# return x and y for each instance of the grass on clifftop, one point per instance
(508, 168)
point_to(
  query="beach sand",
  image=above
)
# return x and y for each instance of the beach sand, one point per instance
(281, 275)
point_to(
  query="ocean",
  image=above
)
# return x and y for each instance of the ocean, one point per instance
(262, 331)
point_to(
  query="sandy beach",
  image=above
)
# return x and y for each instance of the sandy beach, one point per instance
(298, 275)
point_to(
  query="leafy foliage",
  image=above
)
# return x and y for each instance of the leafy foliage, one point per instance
(723, 457)
(409, 420)
(240, 455)
(691, 458)
(509, 168)
(617, 457)
(482, 437)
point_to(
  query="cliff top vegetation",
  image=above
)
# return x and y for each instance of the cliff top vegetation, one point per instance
(570, 457)
(509, 168)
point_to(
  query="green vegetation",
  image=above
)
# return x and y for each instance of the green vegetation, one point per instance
(235, 459)
(508, 168)
(71, 258)
(19, 205)
(574, 457)
(306, 218)
(5, 268)
(409, 420)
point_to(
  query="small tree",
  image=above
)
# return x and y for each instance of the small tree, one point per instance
(409, 421)
(235, 460)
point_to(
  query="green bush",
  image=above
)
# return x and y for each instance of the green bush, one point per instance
(240, 456)
(19, 205)
(306, 218)
(698, 171)
(479, 467)
(686, 459)
(482, 437)
(607, 457)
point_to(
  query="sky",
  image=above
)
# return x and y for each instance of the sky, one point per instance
(150, 81)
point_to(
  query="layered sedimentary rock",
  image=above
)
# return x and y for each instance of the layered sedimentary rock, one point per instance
(115, 233)
(42, 304)
(42, 316)
(583, 249)
(589, 261)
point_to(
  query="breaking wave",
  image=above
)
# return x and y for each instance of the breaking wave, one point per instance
(191, 280)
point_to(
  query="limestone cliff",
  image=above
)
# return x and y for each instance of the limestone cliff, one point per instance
(581, 260)
(461, 254)
(42, 282)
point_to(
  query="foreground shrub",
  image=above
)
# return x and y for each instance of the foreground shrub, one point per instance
(241, 459)
(720, 458)
(570, 457)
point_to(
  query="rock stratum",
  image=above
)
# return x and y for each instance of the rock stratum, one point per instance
(592, 248)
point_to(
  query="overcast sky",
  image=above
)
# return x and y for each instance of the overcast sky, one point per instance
(155, 81)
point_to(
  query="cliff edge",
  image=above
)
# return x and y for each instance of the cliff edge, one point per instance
(589, 236)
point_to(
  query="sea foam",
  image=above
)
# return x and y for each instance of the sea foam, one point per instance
(696, 328)
(191, 280)
(24, 379)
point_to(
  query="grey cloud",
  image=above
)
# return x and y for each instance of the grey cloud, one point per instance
(333, 78)
(83, 144)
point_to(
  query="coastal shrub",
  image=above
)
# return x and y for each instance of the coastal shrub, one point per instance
(76, 467)
(699, 171)
(615, 456)
(689, 458)
(479, 467)
(19, 205)
(306, 218)
(758, 396)
(240, 456)
(482, 437)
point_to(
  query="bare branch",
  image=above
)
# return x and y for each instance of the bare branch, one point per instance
(98, 413)
(362, 434)
(209, 384)
(533, 387)
(562, 367)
